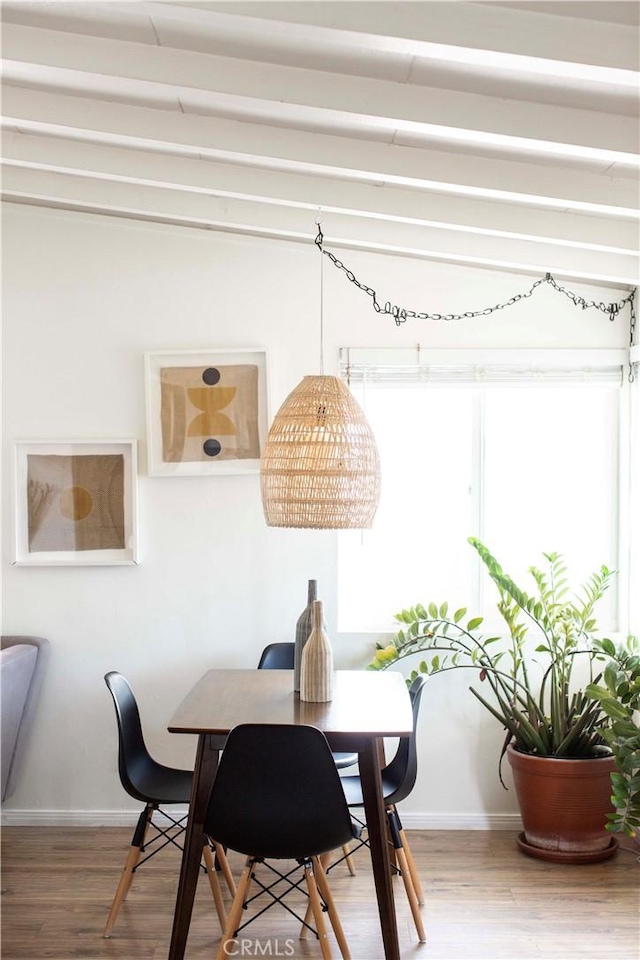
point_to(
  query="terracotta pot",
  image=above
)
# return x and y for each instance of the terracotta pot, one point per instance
(564, 806)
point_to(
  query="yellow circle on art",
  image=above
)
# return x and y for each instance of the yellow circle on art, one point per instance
(76, 503)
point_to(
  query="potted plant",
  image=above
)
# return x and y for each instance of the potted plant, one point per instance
(619, 697)
(542, 684)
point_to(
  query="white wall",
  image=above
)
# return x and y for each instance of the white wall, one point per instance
(84, 298)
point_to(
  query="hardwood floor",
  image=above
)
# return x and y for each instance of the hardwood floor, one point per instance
(484, 901)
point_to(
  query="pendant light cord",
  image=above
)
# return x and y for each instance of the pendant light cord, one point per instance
(318, 241)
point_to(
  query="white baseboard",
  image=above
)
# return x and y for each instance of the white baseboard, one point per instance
(460, 821)
(126, 818)
(77, 818)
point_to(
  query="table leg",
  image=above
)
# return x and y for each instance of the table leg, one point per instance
(203, 776)
(377, 830)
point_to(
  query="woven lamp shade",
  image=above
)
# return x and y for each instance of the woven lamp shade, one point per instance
(320, 467)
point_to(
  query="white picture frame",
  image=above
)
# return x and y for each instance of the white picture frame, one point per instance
(76, 502)
(207, 411)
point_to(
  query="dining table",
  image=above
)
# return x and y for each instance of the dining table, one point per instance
(366, 706)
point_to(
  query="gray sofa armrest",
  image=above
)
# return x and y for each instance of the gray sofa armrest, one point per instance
(21, 666)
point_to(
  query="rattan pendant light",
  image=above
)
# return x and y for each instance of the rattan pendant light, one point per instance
(320, 467)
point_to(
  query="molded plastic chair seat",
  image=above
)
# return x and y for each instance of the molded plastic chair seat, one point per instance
(154, 784)
(277, 796)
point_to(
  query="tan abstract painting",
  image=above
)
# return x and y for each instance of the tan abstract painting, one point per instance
(209, 413)
(75, 503)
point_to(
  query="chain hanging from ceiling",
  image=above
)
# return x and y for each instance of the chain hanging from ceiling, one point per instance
(401, 314)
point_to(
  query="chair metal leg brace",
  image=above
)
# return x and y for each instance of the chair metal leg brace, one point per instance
(177, 826)
(278, 898)
(320, 900)
(133, 862)
(347, 853)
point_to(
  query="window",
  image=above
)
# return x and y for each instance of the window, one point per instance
(522, 449)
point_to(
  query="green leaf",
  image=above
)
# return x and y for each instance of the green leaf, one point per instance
(474, 623)
(459, 614)
(614, 709)
(433, 611)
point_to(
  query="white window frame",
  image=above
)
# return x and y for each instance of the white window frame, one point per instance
(446, 365)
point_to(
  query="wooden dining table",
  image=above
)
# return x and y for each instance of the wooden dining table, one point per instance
(366, 706)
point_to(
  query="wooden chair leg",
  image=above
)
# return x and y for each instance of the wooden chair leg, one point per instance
(395, 830)
(334, 919)
(126, 877)
(348, 860)
(215, 886)
(411, 893)
(221, 857)
(226, 947)
(318, 916)
(123, 887)
(325, 860)
(417, 886)
(307, 919)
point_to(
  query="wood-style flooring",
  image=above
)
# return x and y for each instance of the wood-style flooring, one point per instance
(484, 901)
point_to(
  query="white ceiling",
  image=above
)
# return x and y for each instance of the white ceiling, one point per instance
(497, 134)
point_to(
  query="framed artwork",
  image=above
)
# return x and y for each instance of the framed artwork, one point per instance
(76, 502)
(206, 412)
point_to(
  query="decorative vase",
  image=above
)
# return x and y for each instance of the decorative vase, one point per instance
(316, 668)
(564, 806)
(304, 627)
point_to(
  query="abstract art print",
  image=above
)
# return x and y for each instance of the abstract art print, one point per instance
(76, 502)
(206, 412)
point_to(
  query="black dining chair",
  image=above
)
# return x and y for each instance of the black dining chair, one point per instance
(155, 785)
(277, 656)
(398, 780)
(280, 656)
(292, 808)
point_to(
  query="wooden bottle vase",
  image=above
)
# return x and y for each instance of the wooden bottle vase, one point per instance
(316, 670)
